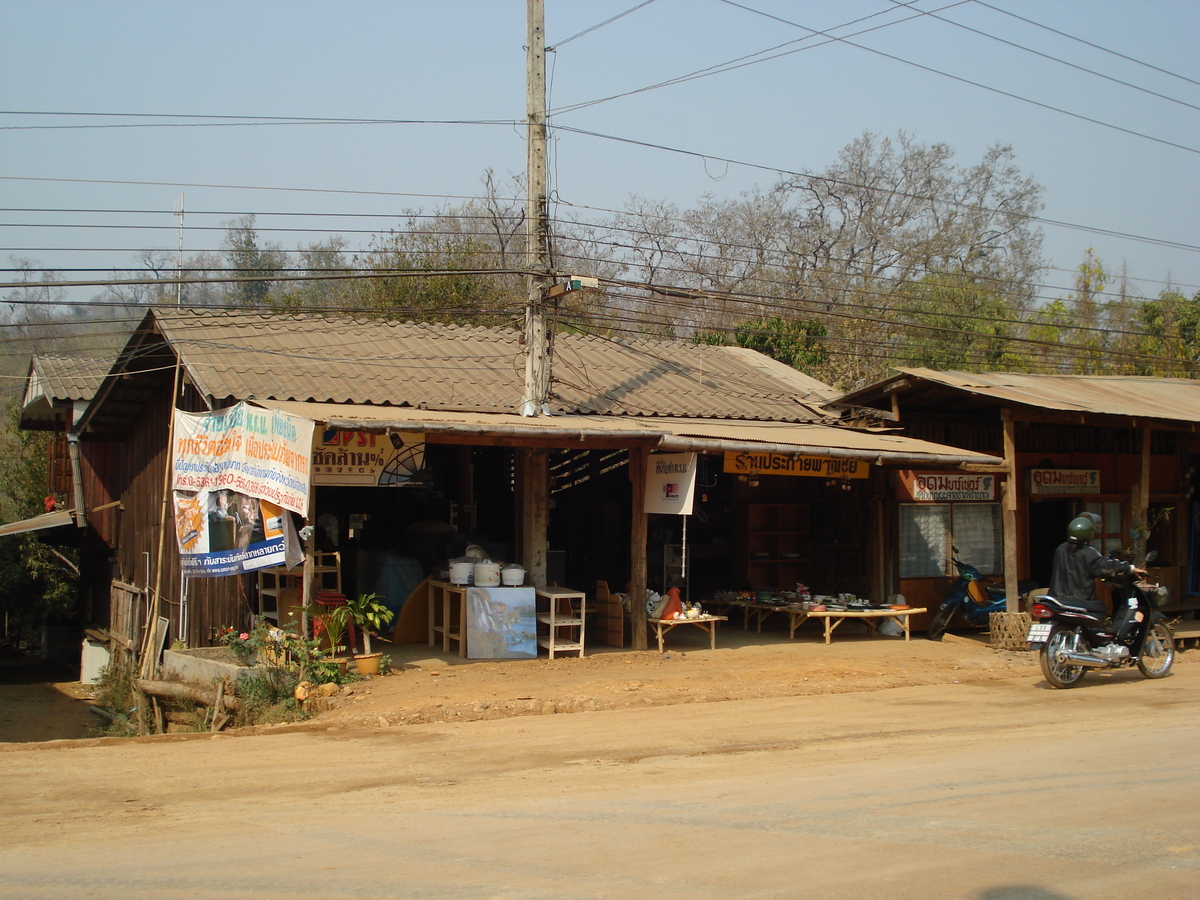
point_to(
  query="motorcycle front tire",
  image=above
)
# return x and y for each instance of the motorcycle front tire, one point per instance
(941, 619)
(1060, 675)
(1157, 666)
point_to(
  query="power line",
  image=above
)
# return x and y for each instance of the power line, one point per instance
(1071, 37)
(932, 14)
(608, 21)
(968, 81)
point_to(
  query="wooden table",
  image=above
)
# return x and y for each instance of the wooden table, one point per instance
(704, 623)
(835, 617)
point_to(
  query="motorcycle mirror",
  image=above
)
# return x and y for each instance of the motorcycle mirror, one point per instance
(1150, 557)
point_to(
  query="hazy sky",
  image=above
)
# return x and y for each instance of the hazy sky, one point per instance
(1119, 156)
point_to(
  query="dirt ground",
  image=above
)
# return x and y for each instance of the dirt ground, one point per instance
(895, 771)
(40, 702)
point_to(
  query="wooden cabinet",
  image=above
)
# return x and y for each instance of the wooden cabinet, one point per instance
(776, 544)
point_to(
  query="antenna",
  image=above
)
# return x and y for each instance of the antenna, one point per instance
(179, 266)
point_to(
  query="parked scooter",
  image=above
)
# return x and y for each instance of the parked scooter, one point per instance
(972, 598)
(1069, 640)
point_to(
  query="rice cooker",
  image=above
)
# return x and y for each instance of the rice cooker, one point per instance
(513, 575)
(487, 574)
(462, 570)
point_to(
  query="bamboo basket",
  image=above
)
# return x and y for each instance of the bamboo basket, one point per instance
(1008, 630)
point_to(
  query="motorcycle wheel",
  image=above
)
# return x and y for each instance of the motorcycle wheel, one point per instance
(1157, 666)
(1060, 675)
(941, 619)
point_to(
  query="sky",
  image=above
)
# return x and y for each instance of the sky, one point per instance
(113, 113)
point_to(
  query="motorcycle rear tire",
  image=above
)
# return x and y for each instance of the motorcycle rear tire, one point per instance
(941, 619)
(1158, 666)
(1060, 675)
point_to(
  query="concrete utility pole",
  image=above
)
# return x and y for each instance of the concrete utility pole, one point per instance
(537, 216)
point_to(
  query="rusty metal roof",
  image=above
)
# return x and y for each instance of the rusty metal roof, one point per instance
(664, 433)
(1127, 396)
(56, 382)
(447, 367)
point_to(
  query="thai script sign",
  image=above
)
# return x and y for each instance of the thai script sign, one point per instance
(671, 483)
(259, 452)
(366, 459)
(234, 473)
(1064, 481)
(751, 463)
(944, 487)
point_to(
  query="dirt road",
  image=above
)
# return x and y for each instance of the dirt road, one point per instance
(937, 790)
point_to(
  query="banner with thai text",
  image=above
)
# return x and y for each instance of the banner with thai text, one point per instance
(945, 487)
(753, 463)
(257, 452)
(226, 533)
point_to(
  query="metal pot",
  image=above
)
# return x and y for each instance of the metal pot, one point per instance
(513, 575)
(487, 574)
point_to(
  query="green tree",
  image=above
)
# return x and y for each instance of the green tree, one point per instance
(245, 259)
(955, 321)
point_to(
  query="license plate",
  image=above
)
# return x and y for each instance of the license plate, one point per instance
(1039, 632)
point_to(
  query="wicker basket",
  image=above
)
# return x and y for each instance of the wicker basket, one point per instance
(1008, 630)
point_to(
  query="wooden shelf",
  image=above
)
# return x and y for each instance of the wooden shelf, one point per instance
(563, 612)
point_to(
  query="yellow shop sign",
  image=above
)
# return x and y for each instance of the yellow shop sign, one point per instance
(748, 463)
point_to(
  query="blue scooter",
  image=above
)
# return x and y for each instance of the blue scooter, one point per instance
(972, 596)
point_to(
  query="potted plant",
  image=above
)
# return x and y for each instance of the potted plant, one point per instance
(369, 613)
(332, 622)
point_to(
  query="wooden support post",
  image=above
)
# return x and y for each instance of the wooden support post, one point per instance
(1008, 513)
(535, 513)
(638, 461)
(1140, 513)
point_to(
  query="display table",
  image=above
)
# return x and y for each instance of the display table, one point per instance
(835, 617)
(704, 623)
(832, 617)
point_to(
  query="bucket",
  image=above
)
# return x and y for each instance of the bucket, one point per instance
(513, 575)
(461, 570)
(487, 574)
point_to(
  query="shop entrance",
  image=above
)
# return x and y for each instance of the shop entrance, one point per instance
(1047, 529)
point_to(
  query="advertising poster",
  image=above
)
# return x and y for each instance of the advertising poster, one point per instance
(235, 472)
(671, 483)
(501, 623)
(366, 459)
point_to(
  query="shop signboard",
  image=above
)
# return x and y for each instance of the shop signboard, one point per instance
(671, 483)
(1064, 482)
(753, 463)
(946, 487)
(234, 472)
(365, 459)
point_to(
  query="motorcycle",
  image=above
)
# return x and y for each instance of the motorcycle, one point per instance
(973, 596)
(1069, 640)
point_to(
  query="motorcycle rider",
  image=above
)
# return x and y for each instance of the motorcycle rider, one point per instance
(1077, 565)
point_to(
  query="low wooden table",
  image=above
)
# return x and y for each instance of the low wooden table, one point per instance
(704, 623)
(448, 615)
(835, 617)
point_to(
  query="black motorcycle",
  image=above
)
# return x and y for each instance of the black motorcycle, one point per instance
(1069, 640)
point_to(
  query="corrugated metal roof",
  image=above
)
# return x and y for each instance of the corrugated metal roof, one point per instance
(56, 382)
(447, 367)
(671, 433)
(55, 519)
(65, 377)
(1135, 396)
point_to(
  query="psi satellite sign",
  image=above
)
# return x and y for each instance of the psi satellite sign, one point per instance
(366, 459)
(671, 483)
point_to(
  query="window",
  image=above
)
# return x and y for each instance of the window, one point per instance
(1108, 535)
(929, 531)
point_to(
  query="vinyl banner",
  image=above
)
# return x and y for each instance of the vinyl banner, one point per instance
(234, 474)
(258, 452)
(670, 483)
(227, 533)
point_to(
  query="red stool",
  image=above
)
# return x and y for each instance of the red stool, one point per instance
(330, 599)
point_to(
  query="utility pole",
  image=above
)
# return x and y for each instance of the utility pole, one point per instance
(537, 216)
